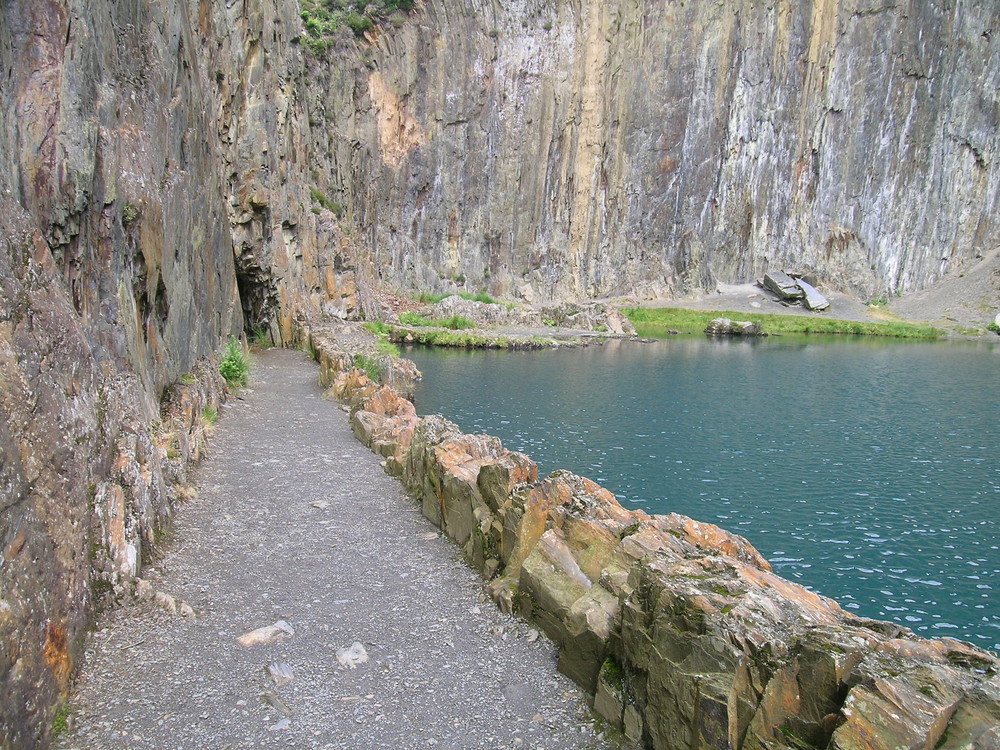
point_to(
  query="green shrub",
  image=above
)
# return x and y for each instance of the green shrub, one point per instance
(319, 197)
(369, 365)
(455, 323)
(129, 214)
(377, 327)
(235, 364)
(261, 338)
(993, 327)
(325, 20)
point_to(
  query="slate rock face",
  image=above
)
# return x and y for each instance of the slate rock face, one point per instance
(49, 440)
(606, 148)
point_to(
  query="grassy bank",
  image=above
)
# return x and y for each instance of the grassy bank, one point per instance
(467, 339)
(660, 321)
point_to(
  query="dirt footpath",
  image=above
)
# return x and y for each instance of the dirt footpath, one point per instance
(296, 522)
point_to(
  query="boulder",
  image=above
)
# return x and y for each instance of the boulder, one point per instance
(727, 327)
(813, 299)
(783, 285)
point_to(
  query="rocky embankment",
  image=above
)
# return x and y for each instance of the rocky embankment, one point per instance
(681, 630)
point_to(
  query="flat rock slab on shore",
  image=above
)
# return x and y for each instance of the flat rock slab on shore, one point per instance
(296, 524)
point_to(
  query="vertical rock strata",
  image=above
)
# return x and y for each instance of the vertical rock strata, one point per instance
(602, 148)
(680, 630)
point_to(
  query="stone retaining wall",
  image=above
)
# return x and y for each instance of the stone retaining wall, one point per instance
(679, 629)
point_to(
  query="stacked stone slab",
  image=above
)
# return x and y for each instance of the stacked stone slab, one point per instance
(680, 630)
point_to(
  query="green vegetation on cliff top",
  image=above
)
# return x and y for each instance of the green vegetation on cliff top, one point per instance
(661, 320)
(326, 19)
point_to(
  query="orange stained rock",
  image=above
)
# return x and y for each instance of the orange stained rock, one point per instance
(386, 401)
(463, 455)
(709, 536)
(818, 609)
(56, 653)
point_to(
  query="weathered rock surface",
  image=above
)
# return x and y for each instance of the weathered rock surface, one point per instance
(680, 629)
(588, 149)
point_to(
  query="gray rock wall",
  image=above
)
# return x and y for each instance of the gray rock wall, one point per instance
(603, 148)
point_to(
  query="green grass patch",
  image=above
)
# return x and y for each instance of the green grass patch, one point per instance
(661, 320)
(469, 339)
(455, 322)
(432, 298)
(386, 348)
(209, 415)
(377, 327)
(235, 364)
(60, 722)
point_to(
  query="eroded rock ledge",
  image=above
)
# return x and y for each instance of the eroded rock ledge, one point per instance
(680, 630)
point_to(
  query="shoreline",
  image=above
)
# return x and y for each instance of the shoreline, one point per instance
(563, 553)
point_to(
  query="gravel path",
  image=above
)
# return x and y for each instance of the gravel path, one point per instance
(296, 521)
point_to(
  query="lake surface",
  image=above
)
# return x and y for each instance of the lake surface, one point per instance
(866, 470)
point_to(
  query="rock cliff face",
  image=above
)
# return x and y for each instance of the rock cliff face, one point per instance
(175, 172)
(604, 148)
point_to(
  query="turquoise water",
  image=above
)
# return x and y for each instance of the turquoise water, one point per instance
(866, 470)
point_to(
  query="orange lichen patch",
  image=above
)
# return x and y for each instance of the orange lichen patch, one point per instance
(353, 386)
(56, 653)
(464, 455)
(398, 131)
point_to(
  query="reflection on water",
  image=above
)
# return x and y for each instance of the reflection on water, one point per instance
(868, 470)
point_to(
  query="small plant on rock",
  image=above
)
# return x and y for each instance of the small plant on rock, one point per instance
(370, 367)
(261, 338)
(235, 364)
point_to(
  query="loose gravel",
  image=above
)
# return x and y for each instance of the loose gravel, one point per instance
(296, 521)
